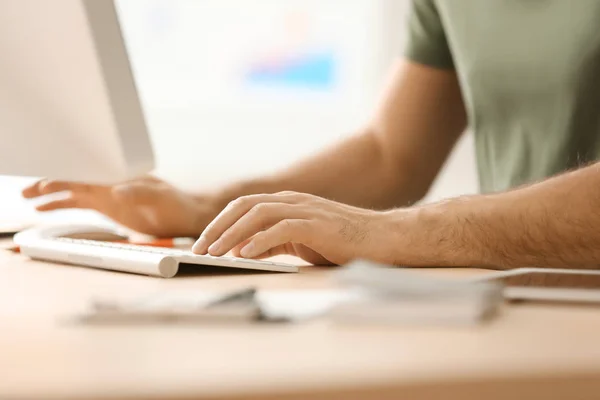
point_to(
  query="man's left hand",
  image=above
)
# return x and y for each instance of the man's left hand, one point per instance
(319, 231)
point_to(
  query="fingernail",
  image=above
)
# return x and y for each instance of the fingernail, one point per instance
(214, 248)
(248, 250)
(199, 246)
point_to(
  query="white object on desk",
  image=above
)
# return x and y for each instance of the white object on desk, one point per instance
(50, 244)
(195, 307)
(401, 296)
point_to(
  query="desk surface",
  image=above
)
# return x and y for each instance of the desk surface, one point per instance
(532, 350)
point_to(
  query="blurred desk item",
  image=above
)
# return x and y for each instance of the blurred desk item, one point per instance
(10, 228)
(6, 243)
(532, 351)
(403, 296)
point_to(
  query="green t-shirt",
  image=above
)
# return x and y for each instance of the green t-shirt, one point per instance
(529, 71)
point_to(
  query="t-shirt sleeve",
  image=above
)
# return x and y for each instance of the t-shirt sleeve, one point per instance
(427, 43)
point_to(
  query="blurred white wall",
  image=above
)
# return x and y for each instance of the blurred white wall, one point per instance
(237, 88)
(212, 123)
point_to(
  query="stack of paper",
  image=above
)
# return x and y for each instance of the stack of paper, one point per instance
(397, 295)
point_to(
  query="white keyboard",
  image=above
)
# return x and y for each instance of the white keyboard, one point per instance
(146, 260)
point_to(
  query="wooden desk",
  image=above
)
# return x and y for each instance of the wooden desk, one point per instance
(530, 352)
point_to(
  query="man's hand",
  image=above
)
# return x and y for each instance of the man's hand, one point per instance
(318, 230)
(148, 206)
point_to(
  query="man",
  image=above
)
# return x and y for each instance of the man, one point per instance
(523, 74)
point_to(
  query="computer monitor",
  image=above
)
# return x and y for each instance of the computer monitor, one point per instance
(69, 108)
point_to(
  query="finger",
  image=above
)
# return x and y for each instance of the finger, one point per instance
(286, 249)
(259, 218)
(60, 205)
(45, 187)
(286, 231)
(32, 191)
(289, 249)
(276, 251)
(49, 187)
(234, 211)
(236, 250)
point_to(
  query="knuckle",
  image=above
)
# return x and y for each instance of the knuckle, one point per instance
(241, 202)
(237, 203)
(262, 215)
(304, 197)
(300, 197)
(293, 195)
(261, 210)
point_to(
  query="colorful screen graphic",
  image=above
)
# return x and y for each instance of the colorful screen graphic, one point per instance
(312, 71)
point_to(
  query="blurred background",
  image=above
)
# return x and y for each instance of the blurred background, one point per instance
(235, 88)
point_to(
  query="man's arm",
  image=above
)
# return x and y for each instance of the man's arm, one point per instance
(391, 163)
(394, 160)
(553, 224)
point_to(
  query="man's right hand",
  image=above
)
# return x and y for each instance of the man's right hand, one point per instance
(148, 205)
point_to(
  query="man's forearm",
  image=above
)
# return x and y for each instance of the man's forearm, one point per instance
(553, 224)
(353, 172)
